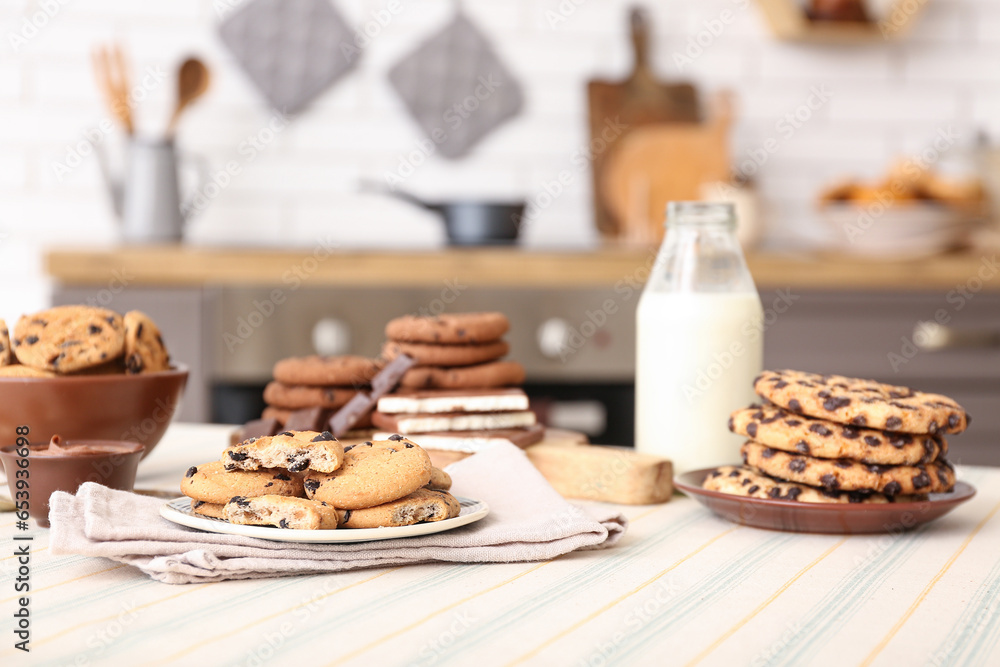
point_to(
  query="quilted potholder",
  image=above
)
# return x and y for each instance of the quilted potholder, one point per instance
(291, 49)
(457, 88)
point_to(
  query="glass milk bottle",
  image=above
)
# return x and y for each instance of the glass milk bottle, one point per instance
(699, 346)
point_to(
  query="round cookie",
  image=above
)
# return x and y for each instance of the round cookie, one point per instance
(373, 473)
(844, 475)
(421, 505)
(20, 371)
(772, 426)
(213, 510)
(144, 348)
(449, 328)
(493, 374)
(861, 402)
(440, 480)
(296, 451)
(282, 512)
(344, 371)
(211, 483)
(295, 397)
(428, 354)
(5, 356)
(738, 481)
(69, 338)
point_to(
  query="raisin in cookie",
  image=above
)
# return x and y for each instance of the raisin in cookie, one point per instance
(343, 371)
(750, 484)
(421, 505)
(69, 338)
(778, 428)
(373, 473)
(845, 475)
(429, 354)
(294, 450)
(144, 348)
(493, 374)
(450, 328)
(296, 397)
(212, 483)
(861, 402)
(281, 512)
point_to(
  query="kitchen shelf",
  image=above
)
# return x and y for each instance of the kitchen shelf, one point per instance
(607, 266)
(788, 21)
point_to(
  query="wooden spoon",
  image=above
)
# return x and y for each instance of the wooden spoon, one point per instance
(192, 82)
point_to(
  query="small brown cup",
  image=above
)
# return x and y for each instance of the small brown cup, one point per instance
(47, 474)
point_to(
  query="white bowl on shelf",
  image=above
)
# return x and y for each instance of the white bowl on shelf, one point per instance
(901, 230)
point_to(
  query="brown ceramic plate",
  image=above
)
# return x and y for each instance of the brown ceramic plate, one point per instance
(840, 519)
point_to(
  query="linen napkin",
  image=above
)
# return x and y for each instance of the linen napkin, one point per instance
(528, 521)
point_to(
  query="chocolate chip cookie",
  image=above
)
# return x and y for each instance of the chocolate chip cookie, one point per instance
(144, 348)
(213, 510)
(21, 371)
(781, 429)
(5, 356)
(342, 371)
(295, 397)
(373, 473)
(845, 475)
(862, 402)
(450, 328)
(440, 480)
(69, 338)
(282, 512)
(493, 374)
(745, 482)
(212, 483)
(419, 506)
(296, 451)
(428, 354)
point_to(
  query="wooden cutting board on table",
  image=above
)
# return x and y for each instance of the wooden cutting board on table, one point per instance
(617, 108)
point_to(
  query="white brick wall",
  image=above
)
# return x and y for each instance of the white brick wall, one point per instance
(887, 98)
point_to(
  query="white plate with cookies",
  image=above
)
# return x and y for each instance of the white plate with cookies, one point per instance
(179, 511)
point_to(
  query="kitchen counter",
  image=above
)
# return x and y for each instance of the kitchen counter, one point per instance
(682, 583)
(486, 267)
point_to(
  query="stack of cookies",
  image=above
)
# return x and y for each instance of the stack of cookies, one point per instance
(306, 391)
(307, 480)
(458, 389)
(828, 438)
(82, 340)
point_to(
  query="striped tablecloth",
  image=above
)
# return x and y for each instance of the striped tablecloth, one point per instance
(682, 588)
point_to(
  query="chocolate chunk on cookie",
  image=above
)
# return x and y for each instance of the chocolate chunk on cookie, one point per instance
(373, 473)
(864, 403)
(144, 348)
(69, 338)
(296, 451)
(341, 371)
(493, 374)
(5, 355)
(450, 328)
(419, 506)
(742, 481)
(845, 475)
(282, 512)
(429, 354)
(295, 397)
(212, 483)
(781, 429)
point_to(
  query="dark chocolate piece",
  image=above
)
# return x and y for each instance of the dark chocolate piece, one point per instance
(258, 428)
(364, 402)
(307, 419)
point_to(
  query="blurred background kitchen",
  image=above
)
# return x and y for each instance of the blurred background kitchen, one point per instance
(855, 137)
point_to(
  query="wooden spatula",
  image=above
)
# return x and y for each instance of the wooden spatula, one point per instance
(192, 81)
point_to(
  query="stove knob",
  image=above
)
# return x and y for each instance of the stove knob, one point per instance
(331, 336)
(553, 336)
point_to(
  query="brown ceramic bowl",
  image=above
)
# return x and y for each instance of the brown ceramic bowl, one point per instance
(92, 407)
(47, 474)
(849, 519)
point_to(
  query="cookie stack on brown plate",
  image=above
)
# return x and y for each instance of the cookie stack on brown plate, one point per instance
(828, 438)
(306, 391)
(307, 480)
(460, 395)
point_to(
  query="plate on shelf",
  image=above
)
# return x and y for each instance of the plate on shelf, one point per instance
(179, 511)
(837, 518)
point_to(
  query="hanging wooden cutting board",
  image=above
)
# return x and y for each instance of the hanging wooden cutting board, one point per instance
(639, 100)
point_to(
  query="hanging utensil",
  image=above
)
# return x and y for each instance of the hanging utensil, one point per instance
(112, 73)
(192, 81)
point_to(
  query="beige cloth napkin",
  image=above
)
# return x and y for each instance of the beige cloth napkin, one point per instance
(528, 521)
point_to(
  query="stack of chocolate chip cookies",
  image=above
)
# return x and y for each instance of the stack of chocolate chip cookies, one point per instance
(459, 389)
(306, 391)
(307, 480)
(828, 438)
